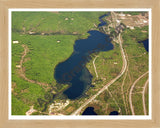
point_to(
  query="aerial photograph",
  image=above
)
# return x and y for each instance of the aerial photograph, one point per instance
(79, 63)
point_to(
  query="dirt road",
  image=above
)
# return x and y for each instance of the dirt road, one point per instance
(143, 97)
(22, 73)
(130, 93)
(77, 112)
(107, 85)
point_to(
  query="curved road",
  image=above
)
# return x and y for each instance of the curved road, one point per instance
(130, 93)
(125, 76)
(77, 112)
(143, 97)
(22, 74)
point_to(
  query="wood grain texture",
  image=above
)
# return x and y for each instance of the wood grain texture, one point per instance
(6, 4)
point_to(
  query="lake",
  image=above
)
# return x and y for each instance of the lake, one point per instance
(73, 71)
(114, 113)
(89, 111)
(102, 21)
(146, 44)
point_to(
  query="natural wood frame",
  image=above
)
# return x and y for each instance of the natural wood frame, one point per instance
(6, 4)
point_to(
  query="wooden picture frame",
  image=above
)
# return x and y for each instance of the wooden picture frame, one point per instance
(4, 32)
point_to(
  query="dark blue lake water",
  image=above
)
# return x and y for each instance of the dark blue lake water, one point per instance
(146, 44)
(73, 71)
(102, 21)
(114, 113)
(89, 111)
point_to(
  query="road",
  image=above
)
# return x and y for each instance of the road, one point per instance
(95, 66)
(107, 85)
(130, 93)
(122, 86)
(77, 112)
(22, 73)
(120, 111)
(143, 97)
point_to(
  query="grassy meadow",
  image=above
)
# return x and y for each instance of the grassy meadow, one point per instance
(54, 22)
(137, 59)
(49, 37)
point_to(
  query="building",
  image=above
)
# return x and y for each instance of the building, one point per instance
(15, 42)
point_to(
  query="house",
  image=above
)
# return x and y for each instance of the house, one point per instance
(18, 66)
(121, 14)
(15, 42)
(145, 21)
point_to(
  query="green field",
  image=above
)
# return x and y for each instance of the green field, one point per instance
(52, 23)
(49, 38)
(137, 59)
